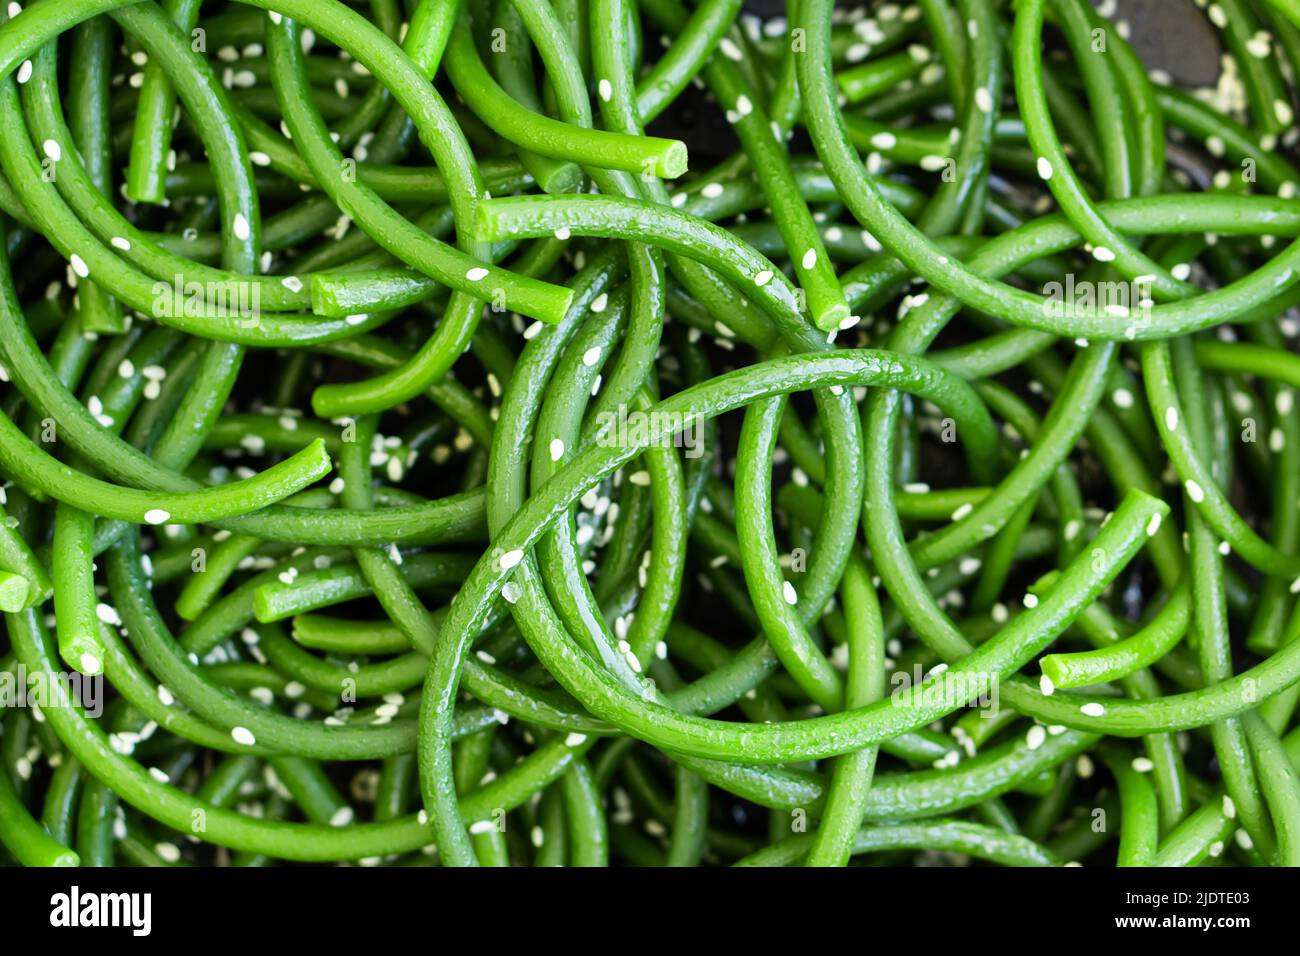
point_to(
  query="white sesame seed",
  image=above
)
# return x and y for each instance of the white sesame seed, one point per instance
(510, 559)
(1195, 491)
(240, 227)
(1143, 764)
(242, 735)
(763, 278)
(156, 516)
(557, 449)
(1092, 709)
(790, 594)
(575, 739)
(1031, 600)
(169, 852)
(1044, 168)
(1153, 524)
(342, 817)
(884, 140)
(1046, 686)
(24, 72)
(1036, 737)
(810, 258)
(477, 273)
(79, 265)
(1171, 418)
(52, 150)
(591, 356)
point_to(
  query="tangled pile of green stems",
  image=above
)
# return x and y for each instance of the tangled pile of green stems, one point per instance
(400, 595)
